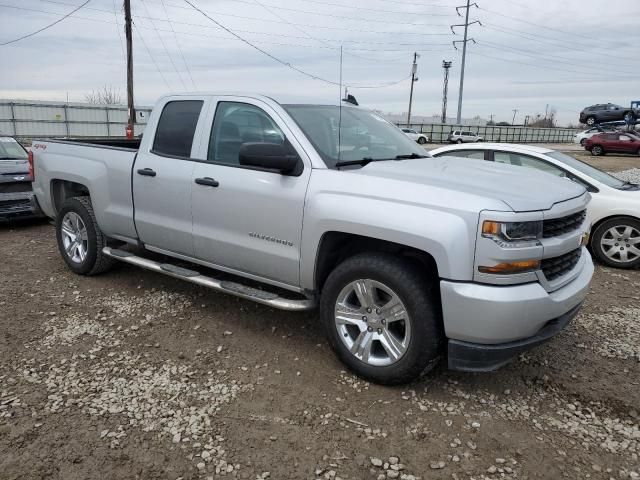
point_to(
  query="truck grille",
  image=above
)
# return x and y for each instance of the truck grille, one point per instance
(556, 267)
(558, 226)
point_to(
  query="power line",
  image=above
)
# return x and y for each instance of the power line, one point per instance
(282, 62)
(345, 17)
(166, 50)
(243, 17)
(46, 27)
(546, 27)
(115, 16)
(534, 38)
(553, 58)
(377, 10)
(175, 37)
(135, 27)
(193, 34)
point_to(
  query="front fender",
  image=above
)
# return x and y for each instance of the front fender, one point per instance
(447, 236)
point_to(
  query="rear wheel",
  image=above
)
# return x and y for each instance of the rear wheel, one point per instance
(80, 240)
(381, 317)
(459, 140)
(616, 242)
(597, 150)
(629, 117)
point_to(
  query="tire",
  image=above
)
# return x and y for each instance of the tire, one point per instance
(583, 141)
(459, 140)
(591, 121)
(418, 333)
(597, 150)
(422, 140)
(610, 251)
(93, 261)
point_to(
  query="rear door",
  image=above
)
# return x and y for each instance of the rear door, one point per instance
(162, 177)
(247, 220)
(627, 144)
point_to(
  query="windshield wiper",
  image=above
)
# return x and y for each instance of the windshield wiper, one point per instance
(410, 156)
(363, 161)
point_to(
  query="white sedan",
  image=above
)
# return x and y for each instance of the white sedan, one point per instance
(614, 210)
(421, 138)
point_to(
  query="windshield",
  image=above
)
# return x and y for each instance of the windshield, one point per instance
(11, 149)
(363, 134)
(587, 169)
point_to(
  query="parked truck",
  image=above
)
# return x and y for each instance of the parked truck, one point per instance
(295, 206)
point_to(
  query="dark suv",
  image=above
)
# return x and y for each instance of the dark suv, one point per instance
(607, 112)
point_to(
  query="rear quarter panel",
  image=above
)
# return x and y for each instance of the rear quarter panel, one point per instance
(104, 171)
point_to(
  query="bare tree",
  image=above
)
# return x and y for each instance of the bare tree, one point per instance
(106, 95)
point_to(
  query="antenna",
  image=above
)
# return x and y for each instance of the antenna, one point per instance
(340, 105)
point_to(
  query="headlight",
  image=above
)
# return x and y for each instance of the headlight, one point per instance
(512, 234)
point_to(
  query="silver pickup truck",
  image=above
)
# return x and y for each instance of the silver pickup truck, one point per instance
(296, 206)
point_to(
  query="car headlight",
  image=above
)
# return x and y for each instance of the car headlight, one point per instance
(512, 234)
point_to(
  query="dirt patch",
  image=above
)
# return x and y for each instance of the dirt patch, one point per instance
(132, 375)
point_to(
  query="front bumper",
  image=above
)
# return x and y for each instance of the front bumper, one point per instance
(497, 316)
(476, 357)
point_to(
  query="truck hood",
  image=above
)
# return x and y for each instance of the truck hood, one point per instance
(521, 189)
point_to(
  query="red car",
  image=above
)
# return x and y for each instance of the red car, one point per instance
(613, 142)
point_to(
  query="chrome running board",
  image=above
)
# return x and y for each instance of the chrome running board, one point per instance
(225, 286)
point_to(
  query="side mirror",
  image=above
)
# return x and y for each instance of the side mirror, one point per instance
(272, 156)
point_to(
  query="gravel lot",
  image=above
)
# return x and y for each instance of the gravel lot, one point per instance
(137, 376)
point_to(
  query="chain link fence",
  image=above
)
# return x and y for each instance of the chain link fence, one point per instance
(438, 132)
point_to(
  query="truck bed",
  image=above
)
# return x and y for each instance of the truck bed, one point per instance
(101, 165)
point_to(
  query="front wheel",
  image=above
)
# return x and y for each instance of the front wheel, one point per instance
(616, 242)
(459, 140)
(591, 121)
(80, 240)
(583, 141)
(422, 140)
(381, 317)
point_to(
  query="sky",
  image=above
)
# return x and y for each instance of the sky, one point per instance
(528, 54)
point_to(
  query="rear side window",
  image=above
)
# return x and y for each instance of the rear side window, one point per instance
(177, 127)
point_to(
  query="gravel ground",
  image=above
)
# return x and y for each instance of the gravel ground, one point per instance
(632, 175)
(132, 375)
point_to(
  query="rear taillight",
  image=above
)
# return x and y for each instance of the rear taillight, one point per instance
(31, 170)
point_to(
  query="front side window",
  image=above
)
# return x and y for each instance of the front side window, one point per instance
(177, 127)
(237, 123)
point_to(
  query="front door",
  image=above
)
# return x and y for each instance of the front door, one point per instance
(247, 220)
(162, 177)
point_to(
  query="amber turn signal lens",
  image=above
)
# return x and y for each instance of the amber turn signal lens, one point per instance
(490, 228)
(506, 268)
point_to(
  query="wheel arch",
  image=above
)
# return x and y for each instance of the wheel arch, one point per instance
(62, 190)
(336, 246)
(600, 221)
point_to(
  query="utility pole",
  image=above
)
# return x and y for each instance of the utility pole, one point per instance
(446, 65)
(515, 110)
(414, 78)
(127, 29)
(491, 118)
(464, 50)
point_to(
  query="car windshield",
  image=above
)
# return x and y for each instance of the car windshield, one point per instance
(11, 149)
(587, 169)
(363, 134)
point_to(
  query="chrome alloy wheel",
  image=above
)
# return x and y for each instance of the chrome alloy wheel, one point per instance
(621, 243)
(74, 237)
(372, 322)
